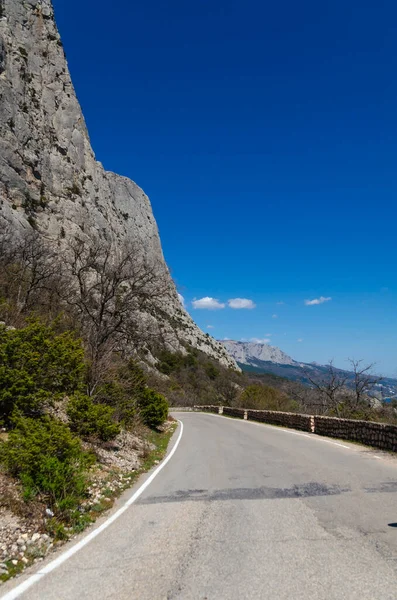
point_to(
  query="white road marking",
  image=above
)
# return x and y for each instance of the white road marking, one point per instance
(20, 589)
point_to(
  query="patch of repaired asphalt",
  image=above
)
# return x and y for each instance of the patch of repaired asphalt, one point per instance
(305, 490)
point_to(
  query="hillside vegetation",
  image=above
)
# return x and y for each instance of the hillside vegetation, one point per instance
(77, 415)
(85, 386)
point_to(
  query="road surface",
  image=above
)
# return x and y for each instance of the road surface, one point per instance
(245, 511)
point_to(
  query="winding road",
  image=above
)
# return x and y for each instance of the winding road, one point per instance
(243, 511)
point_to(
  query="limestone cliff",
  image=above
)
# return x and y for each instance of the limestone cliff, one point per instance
(49, 177)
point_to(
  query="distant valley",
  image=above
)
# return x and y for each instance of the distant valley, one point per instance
(263, 358)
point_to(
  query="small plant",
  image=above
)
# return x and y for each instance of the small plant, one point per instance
(73, 190)
(91, 420)
(153, 408)
(48, 460)
(121, 389)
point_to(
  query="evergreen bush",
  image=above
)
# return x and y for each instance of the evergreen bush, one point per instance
(37, 364)
(153, 408)
(88, 419)
(48, 459)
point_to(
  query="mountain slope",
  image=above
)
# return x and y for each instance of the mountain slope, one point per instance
(49, 177)
(249, 352)
(262, 358)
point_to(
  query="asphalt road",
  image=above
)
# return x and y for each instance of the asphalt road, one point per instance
(246, 511)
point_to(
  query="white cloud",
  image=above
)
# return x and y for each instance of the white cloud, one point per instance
(210, 327)
(181, 299)
(300, 340)
(268, 334)
(241, 303)
(320, 300)
(280, 303)
(208, 303)
(274, 316)
(260, 341)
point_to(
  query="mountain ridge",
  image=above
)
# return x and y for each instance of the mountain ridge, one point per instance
(244, 352)
(264, 358)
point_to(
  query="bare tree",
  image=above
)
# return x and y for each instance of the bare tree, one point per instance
(363, 382)
(306, 398)
(29, 275)
(109, 291)
(227, 389)
(331, 389)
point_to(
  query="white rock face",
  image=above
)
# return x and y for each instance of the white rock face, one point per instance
(49, 177)
(246, 352)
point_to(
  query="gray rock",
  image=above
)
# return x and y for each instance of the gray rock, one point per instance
(49, 177)
(245, 352)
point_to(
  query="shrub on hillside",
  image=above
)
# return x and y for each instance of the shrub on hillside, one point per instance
(36, 364)
(264, 397)
(211, 371)
(91, 420)
(153, 408)
(169, 362)
(124, 385)
(48, 459)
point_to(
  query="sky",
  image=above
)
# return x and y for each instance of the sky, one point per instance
(265, 135)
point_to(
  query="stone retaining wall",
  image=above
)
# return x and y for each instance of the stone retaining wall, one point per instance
(285, 419)
(378, 435)
(234, 412)
(213, 409)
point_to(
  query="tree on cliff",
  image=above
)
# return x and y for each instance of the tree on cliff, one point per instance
(105, 292)
(109, 291)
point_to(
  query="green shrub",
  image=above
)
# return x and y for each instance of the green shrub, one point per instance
(264, 397)
(122, 389)
(37, 364)
(48, 459)
(175, 361)
(91, 420)
(114, 396)
(153, 408)
(211, 371)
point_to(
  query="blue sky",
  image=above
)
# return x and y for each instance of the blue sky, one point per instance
(265, 134)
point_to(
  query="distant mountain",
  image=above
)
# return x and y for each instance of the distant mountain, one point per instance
(248, 353)
(263, 358)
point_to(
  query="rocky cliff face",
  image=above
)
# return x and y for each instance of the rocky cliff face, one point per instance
(49, 177)
(249, 352)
